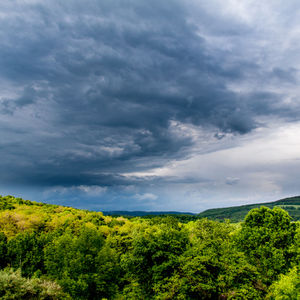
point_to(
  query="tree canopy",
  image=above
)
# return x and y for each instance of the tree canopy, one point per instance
(60, 252)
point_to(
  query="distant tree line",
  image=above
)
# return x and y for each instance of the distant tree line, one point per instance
(54, 252)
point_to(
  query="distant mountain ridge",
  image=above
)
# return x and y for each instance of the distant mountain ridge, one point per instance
(141, 213)
(238, 213)
(233, 213)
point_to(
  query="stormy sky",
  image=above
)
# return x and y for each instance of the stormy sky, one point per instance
(149, 105)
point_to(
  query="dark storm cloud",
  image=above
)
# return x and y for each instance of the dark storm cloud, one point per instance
(94, 89)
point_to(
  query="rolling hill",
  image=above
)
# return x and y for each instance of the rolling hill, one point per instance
(238, 213)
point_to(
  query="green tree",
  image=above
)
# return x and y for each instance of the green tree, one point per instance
(82, 265)
(25, 251)
(3, 250)
(287, 287)
(155, 254)
(267, 238)
(14, 286)
(211, 267)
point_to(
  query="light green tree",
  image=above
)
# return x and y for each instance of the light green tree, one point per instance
(287, 287)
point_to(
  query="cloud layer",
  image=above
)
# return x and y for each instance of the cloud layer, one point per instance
(93, 92)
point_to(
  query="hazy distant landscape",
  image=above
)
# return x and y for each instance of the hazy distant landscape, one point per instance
(234, 214)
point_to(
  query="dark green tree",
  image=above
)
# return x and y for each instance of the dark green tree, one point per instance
(3, 250)
(25, 251)
(267, 238)
(82, 265)
(155, 254)
(211, 267)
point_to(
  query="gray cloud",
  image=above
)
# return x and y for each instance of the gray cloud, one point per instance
(93, 89)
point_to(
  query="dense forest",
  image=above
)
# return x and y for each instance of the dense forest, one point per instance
(55, 252)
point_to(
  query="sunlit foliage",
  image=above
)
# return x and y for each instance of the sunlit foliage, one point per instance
(60, 252)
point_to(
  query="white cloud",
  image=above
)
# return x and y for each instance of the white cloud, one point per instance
(261, 166)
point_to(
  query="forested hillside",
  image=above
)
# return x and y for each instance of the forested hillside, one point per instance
(54, 252)
(238, 213)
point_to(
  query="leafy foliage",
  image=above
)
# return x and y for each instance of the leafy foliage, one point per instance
(287, 287)
(14, 286)
(266, 238)
(57, 252)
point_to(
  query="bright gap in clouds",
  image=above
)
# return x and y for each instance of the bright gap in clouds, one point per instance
(259, 167)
